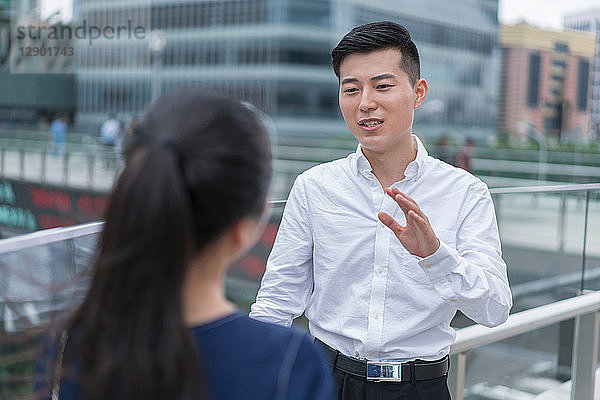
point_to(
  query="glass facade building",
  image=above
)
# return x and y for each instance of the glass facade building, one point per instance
(276, 55)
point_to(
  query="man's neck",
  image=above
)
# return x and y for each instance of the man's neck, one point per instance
(389, 166)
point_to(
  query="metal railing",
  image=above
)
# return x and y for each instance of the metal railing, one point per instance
(92, 165)
(89, 166)
(586, 309)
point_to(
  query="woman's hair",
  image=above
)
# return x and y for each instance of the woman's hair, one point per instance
(196, 164)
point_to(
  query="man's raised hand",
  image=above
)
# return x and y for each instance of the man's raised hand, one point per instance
(417, 236)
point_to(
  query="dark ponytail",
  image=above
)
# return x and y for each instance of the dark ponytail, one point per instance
(195, 165)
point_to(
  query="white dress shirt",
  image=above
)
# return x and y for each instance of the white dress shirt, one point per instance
(363, 293)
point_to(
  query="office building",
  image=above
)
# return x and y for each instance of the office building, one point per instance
(589, 21)
(545, 82)
(276, 55)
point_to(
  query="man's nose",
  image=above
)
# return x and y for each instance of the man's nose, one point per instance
(367, 102)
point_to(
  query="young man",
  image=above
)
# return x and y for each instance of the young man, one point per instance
(380, 249)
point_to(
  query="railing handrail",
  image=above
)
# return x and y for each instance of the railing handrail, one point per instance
(525, 321)
(58, 234)
(48, 236)
(547, 188)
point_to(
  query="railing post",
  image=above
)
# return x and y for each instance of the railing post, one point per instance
(585, 356)
(43, 156)
(22, 162)
(562, 222)
(456, 375)
(585, 230)
(90, 158)
(66, 168)
(3, 156)
(497, 203)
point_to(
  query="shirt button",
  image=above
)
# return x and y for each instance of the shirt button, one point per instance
(376, 316)
(379, 270)
(371, 353)
(452, 300)
(428, 266)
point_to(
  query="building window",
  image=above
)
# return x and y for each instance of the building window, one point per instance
(533, 90)
(310, 12)
(561, 47)
(425, 31)
(582, 84)
(304, 56)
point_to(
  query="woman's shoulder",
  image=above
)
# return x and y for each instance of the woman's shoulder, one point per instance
(272, 354)
(237, 330)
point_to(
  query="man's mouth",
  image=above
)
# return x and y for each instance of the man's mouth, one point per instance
(370, 123)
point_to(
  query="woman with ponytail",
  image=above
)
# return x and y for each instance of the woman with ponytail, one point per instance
(155, 323)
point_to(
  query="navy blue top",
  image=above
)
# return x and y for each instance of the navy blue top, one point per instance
(253, 360)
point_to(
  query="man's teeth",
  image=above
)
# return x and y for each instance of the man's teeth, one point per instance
(372, 123)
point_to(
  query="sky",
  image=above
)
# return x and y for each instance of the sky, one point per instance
(543, 13)
(65, 6)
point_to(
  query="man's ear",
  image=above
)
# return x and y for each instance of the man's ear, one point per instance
(421, 88)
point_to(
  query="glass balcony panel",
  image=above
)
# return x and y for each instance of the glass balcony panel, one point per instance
(542, 240)
(524, 366)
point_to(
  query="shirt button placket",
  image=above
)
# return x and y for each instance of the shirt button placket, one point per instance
(378, 281)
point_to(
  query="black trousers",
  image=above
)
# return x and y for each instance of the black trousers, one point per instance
(350, 387)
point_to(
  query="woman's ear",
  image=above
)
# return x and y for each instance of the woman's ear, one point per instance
(244, 234)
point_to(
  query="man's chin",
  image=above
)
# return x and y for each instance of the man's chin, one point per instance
(374, 147)
(370, 140)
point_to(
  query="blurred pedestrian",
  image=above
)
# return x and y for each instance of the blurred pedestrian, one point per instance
(155, 323)
(443, 150)
(110, 131)
(59, 133)
(464, 155)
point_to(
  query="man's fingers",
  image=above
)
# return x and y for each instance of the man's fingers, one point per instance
(419, 220)
(390, 222)
(408, 198)
(423, 225)
(409, 203)
(406, 205)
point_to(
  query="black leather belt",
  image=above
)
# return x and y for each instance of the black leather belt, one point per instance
(382, 371)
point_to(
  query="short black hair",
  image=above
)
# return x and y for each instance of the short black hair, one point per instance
(378, 36)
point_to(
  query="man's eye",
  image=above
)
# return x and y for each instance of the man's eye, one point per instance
(351, 90)
(383, 86)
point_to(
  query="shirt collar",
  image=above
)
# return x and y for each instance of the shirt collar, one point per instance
(413, 170)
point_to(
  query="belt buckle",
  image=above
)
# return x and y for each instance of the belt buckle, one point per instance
(384, 371)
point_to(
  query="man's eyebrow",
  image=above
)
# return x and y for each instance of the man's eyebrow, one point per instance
(375, 78)
(349, 80)
(383, 76)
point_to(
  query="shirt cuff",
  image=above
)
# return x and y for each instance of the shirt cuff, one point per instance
(440, 263)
